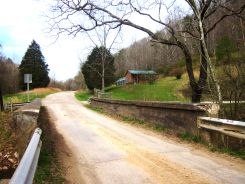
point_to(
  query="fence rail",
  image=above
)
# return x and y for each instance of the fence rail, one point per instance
(14, 106)
(25, 172)
(99, 94)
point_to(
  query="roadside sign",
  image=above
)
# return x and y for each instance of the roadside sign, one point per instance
(27, 78)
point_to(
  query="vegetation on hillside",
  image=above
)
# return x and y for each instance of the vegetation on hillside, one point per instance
(33, 94)
(8, 77)
(164, 89)
(83, 95)
(9, 157)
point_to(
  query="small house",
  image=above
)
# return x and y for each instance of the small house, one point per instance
(138, 76)
(121, 81)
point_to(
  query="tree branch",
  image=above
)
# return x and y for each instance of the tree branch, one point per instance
(232, 13)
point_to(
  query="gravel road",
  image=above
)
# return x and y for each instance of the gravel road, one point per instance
(99, 149)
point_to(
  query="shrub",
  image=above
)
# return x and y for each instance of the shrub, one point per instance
(177, 72)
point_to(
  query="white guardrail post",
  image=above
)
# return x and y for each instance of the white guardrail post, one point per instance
(25, 171)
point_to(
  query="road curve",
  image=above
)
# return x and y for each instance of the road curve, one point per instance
(110, 152)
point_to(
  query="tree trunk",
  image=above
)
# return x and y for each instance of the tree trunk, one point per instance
(103, 71)
(202, 76)
(210, 67)
(195, 88)
(1, 99)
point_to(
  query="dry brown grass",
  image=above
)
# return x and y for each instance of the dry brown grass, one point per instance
(43, 90)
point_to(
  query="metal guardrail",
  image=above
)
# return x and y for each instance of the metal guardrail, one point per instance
(25, 171)
(227, 127)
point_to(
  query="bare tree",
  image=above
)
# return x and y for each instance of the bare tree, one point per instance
(105, 39)
(1, 94)
(9, 78)
(120, 13)
(1, 97)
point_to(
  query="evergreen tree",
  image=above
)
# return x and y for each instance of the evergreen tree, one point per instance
(34, 63)
(92, 69)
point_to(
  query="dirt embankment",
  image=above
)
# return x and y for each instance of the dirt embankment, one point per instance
(9, 157)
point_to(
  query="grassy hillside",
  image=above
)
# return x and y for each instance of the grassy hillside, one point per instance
(164, 89)
(35, 93)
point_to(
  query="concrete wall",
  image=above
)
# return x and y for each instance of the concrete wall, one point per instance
(180, 117)
(25, 122)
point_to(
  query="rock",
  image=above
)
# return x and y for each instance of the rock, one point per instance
(11, 160)
(16, 155)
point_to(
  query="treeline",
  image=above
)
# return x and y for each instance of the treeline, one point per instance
(145, 54)
(12, 75)
(9, 76)
(73, 84)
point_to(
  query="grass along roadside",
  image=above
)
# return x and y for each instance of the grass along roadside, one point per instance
(33, 94)
(197, 139)
(49, 168)
(83, 95)
(159, 128)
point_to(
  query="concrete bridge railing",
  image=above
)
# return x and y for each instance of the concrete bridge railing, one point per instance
(196, 119)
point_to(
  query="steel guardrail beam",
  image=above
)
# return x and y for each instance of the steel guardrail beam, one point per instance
(25, 171)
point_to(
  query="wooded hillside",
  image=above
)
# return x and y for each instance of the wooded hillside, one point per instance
(145, 54)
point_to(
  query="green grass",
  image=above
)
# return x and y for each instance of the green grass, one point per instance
(192, 138)
(33, 94)
(159, 127)
(96, 109)
(83, 95)
(19, 98)
(164, 89)
(239, 154)
(132, 120)
(49, 168)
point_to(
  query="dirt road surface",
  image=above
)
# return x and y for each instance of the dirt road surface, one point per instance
(98, 149)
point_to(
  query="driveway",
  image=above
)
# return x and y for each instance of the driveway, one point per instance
(103, 150)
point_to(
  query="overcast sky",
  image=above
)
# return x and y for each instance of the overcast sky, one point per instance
(23, 20)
